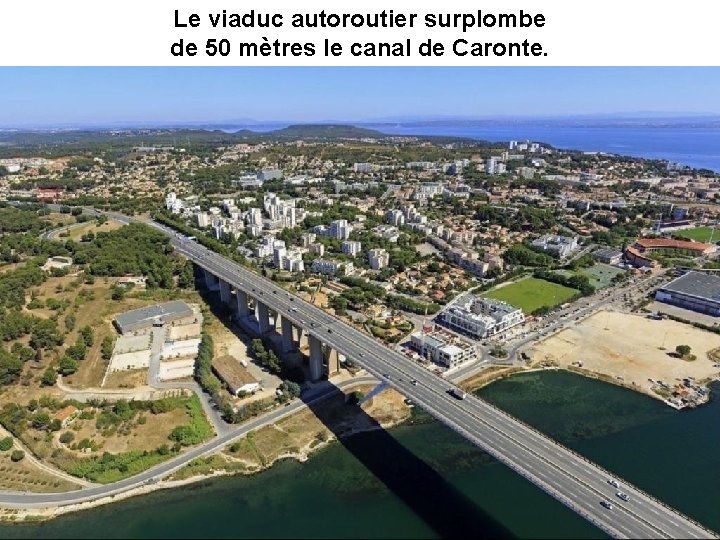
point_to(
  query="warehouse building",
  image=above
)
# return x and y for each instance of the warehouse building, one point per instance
(695, 291)
(147, 317)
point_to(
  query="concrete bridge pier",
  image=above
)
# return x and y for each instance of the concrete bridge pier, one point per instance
(211, 280)
(261, 313)
(288, 344)
(224, 292)
(242, 303)
(316, 358)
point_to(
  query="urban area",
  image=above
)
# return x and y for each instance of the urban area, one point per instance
(129, 344)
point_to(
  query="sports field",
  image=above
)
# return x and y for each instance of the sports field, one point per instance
(601, 275)
(700, 234)
(531, 293)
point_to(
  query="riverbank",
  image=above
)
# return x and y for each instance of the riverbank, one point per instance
(296, 437)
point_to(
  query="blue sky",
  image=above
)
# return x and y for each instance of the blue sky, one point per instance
(45, 97)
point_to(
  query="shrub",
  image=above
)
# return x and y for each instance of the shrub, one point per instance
(17, 455)
(6, 444)
(67, 437)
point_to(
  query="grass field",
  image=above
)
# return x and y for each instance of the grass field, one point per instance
(601, 275)
(700, 234)
(531, 293)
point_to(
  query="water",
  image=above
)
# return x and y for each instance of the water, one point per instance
(671, 454)
(696, 147)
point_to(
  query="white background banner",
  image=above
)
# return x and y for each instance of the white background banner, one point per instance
(553, 33)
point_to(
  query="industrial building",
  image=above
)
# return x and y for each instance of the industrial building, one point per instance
(146, 317)
(695, 291)
(234, 375)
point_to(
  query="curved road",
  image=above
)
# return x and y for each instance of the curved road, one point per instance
(40, 500)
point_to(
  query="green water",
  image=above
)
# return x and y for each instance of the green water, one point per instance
(422, 480)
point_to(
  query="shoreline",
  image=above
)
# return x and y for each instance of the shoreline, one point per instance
(19, 516)
(504, 372)
(497, 373)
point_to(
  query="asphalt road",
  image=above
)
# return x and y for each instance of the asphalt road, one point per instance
(40, 500)
(570, 478)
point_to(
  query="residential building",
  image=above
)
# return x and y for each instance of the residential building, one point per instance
(378, 258)
(561, 245)
(481, 317)
(443, 348)
(351, 247)
(332, 268)
(340, 229)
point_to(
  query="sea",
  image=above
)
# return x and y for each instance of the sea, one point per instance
(421, 480)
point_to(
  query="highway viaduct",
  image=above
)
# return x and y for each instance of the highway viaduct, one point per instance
(560, 472)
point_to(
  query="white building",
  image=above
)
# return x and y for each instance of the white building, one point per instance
(340, 229)
(351, 247)
(203, 219)
(363, 167)
(378, 258)
(442, 348)
(562, 245)
(395, 217)
(332, 268)
(481, 317)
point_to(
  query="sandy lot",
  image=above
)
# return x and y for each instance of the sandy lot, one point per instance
(630, 347)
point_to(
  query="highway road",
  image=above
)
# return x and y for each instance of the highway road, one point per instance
(570, 478)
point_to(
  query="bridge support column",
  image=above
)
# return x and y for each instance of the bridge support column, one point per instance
(242, 303)
(224, 292)
(210, 280)
(316, 358)
(333, 362)
(287, 335)
(261, 312)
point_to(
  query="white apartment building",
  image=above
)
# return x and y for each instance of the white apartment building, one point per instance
(340, 229)
(332, 268)
(481, 317)
(443, 349)
(395, 217)
(378, 258)
(351, 247)
(562, 245)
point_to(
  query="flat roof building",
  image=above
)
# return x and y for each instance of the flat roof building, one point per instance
(481, 317)
(443, 348)
(142, 318)
(695, 291)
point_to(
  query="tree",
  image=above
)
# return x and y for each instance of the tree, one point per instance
(68, 365)
(683, 350)
(10, 367)
(67, 437)
(41, 420)
(45, 334)
(49, 377)
(88, 335)
(6, 444)
(106, 348)
(70, 322)
(17, 455)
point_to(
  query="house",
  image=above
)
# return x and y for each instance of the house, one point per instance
(66, 415)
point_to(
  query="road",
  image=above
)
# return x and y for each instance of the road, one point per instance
(41, 500)
(570, 478)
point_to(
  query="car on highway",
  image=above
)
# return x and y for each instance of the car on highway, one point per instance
(622, 496)
(413, 382)
(606, 504)
(613, 483)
